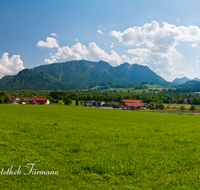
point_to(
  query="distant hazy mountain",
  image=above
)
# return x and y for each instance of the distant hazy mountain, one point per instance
(196, 79)
(180, 80)
(190, 86)
(184, 80)
(77, 74)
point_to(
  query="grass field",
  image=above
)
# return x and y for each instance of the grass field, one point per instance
(95, 148)
(132, 89)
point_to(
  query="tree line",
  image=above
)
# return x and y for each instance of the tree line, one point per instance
(68, 96)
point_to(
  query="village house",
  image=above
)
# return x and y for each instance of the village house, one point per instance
(38, 101)
(90, 103)
(134, 104)
(14, 100)
(99, 103)
(110, 104)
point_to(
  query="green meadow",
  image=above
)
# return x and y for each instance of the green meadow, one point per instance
(93, 148)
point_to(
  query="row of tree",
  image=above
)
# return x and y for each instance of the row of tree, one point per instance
(68, 96)
(193, 108)
(152, 105)
(4, 98)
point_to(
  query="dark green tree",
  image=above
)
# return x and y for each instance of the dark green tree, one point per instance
(162, 106)
(81, 102)
(115, 106)
(151, 105)
(77, 102)
(66, 99)
(4, 97)
(193, 108)
(182, 108)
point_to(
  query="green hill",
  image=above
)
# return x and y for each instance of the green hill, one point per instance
(86, 72)
(78, 75)
(4, 80)
(31, 80)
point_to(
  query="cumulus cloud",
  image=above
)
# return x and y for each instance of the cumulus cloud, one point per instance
(112, 45)
(76, 39)
(10, 66)
(53, 34)
(133, 60)
(79, 51)
(157, 39)
(48, 61)
(99, 31)
(194, 45)
(50, 43)
(197, 61)
(160, 43)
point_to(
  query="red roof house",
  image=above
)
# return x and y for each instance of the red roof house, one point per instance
(36, 100)
(134, 104)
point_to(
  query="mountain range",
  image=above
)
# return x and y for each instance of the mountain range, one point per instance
(184, 80)
(78, 74)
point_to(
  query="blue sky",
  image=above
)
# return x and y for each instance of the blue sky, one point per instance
(164, 35)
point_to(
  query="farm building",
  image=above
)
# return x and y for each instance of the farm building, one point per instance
(110, 104)
(134, 104)
(94, 103)
(14, 99)
(39, 101)
(90, 103)
(99, 103)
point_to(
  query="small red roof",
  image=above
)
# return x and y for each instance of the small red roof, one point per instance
(133, 101)
(30, 99)
(36, 99)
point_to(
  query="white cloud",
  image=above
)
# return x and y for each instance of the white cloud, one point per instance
(142, 52)
(159, 42)
(197, 65)
(149, 17)
(194, 45)
(50, 43)
(112, 45)
(100, 25)
(79, 51)
(99, 31)
(157, 63)
(10, 66)
(76, 39)
(48, 61)
(138, 60)
(53, 34)
(140, 55)
(197, 61)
